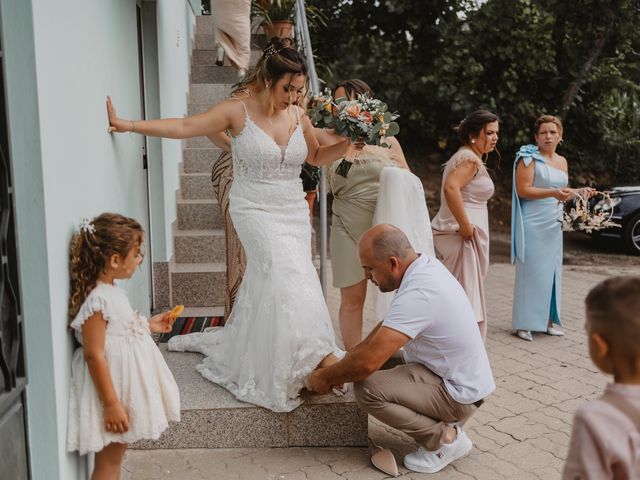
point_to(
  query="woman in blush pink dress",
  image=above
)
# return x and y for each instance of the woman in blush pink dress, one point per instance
(461, 226)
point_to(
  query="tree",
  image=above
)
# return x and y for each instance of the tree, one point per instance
(435, 61)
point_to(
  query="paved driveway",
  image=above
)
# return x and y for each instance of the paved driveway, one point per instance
(521, 432)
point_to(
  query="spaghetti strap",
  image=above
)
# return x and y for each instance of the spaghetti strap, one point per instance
(246, 112)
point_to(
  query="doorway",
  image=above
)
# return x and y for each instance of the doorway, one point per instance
(14, 453)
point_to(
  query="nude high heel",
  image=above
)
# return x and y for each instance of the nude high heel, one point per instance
(219, 55)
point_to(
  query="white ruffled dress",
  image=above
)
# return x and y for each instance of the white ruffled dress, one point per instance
(143, 382)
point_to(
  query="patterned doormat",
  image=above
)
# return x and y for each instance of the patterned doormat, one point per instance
(184, 325)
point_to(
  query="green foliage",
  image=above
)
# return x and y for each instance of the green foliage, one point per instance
(284, 10)
(434, 61)
(274, 10)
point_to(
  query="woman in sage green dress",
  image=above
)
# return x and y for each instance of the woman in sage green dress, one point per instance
(354, 185)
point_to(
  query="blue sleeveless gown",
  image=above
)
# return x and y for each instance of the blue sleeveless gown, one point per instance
(536, 247)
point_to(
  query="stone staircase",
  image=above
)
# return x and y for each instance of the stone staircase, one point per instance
(211, 416)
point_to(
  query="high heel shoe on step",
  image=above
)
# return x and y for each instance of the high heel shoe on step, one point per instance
(219, 55)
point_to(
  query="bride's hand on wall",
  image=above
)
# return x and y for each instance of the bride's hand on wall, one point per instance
(116, 124)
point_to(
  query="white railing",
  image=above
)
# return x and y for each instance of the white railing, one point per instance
(304, 41)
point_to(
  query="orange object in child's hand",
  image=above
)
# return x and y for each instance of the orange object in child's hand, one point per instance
(176, 311)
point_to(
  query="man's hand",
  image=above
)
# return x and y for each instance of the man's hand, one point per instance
(318, 383)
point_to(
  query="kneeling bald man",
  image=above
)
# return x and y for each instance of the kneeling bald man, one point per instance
(441, 374)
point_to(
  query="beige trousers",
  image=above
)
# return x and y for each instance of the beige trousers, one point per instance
(414, 400)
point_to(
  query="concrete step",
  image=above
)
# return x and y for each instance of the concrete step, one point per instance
(197, 284)
(208, 57)
(198, 142)
(199, 160)
(213, 74)
(200, 214)
(203, 312)
(213, 418)
(199, 246)
(204, 24)
(209, 93)
(196, 186)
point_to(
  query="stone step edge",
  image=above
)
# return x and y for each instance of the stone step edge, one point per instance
(182, 173)
(182, 268)
(193, 201)
(213, 232)
(215, 311)
(206, 429)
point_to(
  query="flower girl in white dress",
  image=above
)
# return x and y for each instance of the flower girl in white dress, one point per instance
(121, 388)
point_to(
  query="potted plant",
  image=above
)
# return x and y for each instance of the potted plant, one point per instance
(277, 15)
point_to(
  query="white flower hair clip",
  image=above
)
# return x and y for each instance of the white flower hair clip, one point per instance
(87, 226)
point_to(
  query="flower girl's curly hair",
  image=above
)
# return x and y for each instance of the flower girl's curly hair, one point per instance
(92, 246)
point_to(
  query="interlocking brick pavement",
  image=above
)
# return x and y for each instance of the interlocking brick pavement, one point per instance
(521, 432)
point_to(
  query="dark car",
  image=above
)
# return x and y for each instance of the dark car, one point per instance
(625, 202)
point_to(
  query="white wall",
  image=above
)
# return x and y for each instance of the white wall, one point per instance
(175, 20)
(84, 51)
(63, 58)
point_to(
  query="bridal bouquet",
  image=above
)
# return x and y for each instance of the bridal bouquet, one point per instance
(320, 110)
(582, 218)
(365, 118)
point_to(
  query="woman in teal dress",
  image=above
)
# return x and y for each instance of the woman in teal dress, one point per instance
(540, 181)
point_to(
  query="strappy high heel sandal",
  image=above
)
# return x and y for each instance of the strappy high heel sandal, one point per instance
(219, 55)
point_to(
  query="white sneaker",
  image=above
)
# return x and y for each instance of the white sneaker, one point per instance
(556, 332)
(525, 335)
(425, 461)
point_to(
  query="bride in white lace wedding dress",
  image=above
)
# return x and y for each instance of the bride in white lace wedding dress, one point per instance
(279, 330)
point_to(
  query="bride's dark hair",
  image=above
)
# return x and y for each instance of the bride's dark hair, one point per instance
(353, 88)
(278, 59)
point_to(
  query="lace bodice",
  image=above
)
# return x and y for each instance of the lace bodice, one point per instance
(257, 156)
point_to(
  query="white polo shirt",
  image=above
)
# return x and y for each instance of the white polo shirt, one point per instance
(433, 310)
